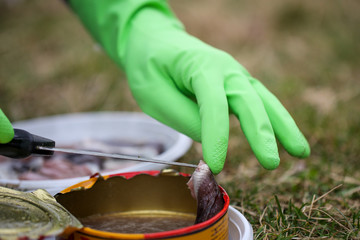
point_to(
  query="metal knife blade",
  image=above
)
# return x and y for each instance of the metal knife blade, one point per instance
(115, 155)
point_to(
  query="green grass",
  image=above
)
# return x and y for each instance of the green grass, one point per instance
(305, 52)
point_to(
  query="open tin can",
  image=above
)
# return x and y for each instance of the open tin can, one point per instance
(134, 200)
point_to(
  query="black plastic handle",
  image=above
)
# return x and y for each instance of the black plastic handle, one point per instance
(25, 144)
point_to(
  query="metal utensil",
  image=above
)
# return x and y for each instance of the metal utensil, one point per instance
(25, 144)
(115, 155)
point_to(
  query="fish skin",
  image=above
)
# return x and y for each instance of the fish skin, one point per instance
(206, 191)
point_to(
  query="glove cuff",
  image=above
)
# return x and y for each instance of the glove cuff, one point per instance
(109, 22)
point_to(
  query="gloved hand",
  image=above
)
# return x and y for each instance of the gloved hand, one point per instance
(189, 85)
(6, 130)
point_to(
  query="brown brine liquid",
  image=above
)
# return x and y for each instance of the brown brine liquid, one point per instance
(149, 222)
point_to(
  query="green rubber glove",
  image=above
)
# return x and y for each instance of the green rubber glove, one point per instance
(187, 84)
(6, 130)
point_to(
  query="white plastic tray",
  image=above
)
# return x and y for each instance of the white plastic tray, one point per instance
(71, 128)
(239, 227)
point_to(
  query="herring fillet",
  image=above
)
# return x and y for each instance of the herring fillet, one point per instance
(206, 191)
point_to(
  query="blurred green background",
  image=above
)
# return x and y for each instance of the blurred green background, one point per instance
(305, 52)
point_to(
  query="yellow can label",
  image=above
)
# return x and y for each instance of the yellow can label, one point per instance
(217, 231)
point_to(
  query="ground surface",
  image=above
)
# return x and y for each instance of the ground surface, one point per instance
(305, 52)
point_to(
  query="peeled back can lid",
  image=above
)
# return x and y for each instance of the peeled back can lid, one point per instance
(32, 215)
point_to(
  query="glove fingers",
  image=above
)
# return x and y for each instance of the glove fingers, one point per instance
(283, 124)
(214, 113)
(245, 103)
(6, 130)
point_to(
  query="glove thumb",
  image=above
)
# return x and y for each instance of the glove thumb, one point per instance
(6, 130)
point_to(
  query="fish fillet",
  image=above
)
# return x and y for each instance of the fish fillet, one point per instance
(206, 191)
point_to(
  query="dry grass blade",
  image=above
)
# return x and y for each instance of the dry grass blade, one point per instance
(311, 206)
(254, 214)
(327, 193)
(329, 215)
(262, 216)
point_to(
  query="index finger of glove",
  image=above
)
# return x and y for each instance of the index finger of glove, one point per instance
(6, 130)
(214, 114)
(245, 103)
